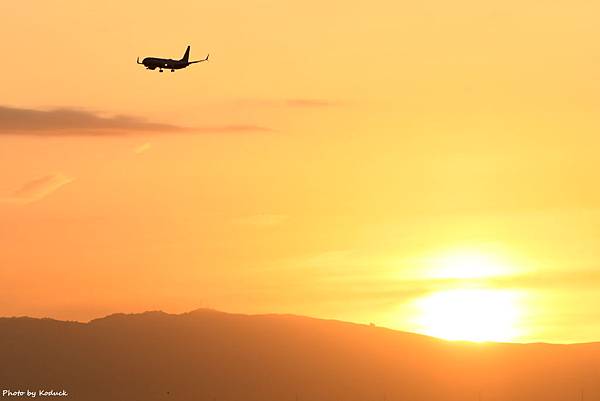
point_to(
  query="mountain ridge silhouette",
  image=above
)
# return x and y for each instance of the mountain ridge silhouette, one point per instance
(210, 355)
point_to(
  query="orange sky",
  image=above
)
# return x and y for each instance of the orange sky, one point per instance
(325, 161)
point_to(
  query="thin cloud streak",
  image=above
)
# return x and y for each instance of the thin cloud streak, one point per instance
(353, 270)
(73, 122)
(143, 148)
(38, 189)
(292, 103)
(579, 279)
(229, 129)
(64, 121)
(311, 103)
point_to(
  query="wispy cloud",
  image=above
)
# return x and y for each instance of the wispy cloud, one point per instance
(37, 189)
(578, 279)
(66, 121)
(143, 148)
(311, 103)
(224, 129)
(299, 103)
(75, 122)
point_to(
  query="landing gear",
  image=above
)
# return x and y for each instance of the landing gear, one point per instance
(160, 70)
(172, 70)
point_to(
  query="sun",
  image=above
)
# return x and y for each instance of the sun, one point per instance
(465, 304)
(470, 315)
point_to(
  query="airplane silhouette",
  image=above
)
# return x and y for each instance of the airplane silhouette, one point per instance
(152, 63)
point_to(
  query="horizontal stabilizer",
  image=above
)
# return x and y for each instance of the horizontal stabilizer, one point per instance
(199, 61)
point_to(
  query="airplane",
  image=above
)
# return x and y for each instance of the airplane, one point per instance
(152, 63)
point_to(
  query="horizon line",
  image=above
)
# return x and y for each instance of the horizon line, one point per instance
(284, 314)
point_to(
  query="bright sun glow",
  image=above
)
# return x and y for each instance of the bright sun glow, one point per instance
(467, 265)
(468, 307)
(470, 314)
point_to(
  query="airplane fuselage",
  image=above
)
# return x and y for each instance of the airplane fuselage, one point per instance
(153, 63)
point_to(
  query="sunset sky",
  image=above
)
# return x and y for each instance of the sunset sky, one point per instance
(401, 163)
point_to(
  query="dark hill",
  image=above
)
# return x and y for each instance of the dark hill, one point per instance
(208, 355)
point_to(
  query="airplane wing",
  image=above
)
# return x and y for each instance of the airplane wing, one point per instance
(199, 61)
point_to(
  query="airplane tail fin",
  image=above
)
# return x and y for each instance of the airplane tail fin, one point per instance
(186, 56)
